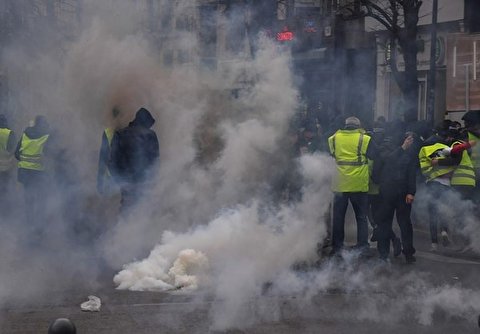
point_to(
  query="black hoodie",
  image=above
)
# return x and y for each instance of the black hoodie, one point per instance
(135, 149)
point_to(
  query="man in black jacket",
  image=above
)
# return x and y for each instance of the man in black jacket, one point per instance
(395, 172)
(134, 151)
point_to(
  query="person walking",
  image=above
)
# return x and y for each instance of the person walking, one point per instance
(351, 147)
(134, 153)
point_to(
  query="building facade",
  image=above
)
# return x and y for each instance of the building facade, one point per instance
(457, 24)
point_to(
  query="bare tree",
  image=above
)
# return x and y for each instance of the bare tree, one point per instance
(400, 19)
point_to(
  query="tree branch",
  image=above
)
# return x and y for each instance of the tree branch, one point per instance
(371, 6)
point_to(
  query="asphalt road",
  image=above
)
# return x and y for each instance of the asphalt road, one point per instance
(334, 309)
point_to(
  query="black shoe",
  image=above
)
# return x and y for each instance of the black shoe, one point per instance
(397, 247)
(334, 252)
(410, 259)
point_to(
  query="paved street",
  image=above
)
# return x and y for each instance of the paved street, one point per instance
(331, 310)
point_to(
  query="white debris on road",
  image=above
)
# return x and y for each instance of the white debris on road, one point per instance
(93, 304)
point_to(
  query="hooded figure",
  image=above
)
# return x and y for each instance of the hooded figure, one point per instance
(134, 151)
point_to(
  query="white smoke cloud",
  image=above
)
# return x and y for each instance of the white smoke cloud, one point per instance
(208, 225)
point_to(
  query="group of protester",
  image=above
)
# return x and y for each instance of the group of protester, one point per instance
(378, 171)
(125, 160)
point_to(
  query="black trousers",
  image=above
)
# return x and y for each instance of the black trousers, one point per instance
(439, 196)
(130, 195)
(394, 203)
(359, 202)
(5, 192)
(374, 203)
(36, 193)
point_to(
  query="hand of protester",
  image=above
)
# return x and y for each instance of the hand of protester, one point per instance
(472, 143)
(409, 199)
(407, 143)
(434, 162)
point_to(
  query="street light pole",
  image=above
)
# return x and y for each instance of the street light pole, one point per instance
(432, 71)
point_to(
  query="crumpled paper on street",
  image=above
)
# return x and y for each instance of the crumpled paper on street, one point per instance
(93, 304)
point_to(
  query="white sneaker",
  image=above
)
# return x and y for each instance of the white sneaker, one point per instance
(434, 247)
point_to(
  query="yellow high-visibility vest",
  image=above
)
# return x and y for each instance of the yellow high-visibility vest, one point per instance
(475, 154)
(109, 132)
(464, 173)
(6, 158)
(349, 147)
(425, 156)
(31, 153)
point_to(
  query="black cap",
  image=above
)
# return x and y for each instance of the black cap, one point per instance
(62, 326)
(3, 121)
(472, 117)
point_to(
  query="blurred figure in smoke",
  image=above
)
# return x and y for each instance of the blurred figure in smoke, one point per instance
(105, 183)
(308, 143)
(444, 164)
(351, 148)
(135, 150)
(287, 186)
(395, 171)
(7, 147)
(31, 153)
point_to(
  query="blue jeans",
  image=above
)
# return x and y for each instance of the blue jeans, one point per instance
(359, 202)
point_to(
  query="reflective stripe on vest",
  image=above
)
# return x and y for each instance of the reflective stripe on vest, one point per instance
(31, 152)
(428, 170)
(349, 147)
(464, 174)
(6, 158)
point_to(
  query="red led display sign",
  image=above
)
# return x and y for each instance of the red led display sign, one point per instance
(285, 36)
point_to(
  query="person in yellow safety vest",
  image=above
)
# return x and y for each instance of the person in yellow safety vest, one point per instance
(105, 183)
(7, 146)
(443, 164)
(351, 147)
(472, 127)
(31, 152)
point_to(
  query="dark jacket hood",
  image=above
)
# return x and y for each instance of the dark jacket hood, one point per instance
(143, 118)
(40, 129)
(3, 122)
(433, 140)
